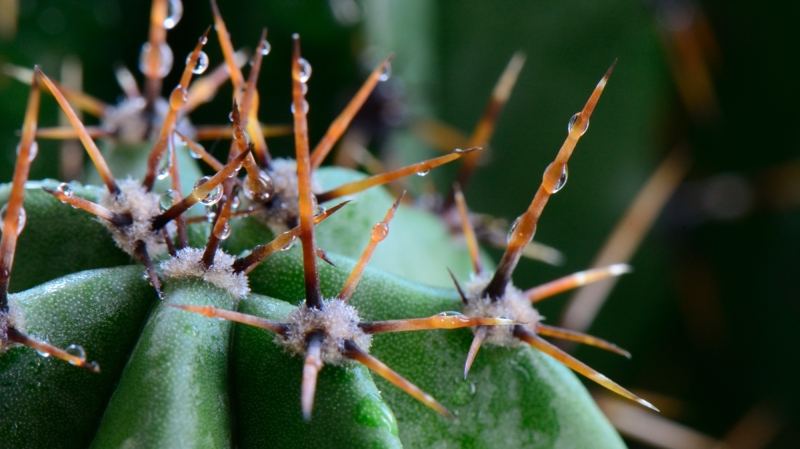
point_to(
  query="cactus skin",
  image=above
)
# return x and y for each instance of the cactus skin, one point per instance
(521, 397)
(547, 400)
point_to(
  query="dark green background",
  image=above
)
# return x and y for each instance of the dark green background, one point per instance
(711, 313)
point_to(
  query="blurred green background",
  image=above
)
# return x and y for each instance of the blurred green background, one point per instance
(712, 309)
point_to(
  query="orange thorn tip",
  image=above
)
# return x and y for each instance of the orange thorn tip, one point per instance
(576, 365)
(580, 337)
(354, 352)
(379, 233)
(311, 368)
(74, 354)
(91, 148)
(340, 124)
(576, 280)
(250, 320)
(420, 167)
(468, 229)
(477, 341)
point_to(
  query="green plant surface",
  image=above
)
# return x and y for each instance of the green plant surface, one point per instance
(176, 380)
(174, 391)
(515, 396)
(57, 239)
(47, 402)
(348, 409)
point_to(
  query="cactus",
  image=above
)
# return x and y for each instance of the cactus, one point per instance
(123, 295)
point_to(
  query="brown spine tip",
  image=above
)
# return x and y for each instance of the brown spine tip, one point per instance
(379, 232)
(580, 337)
(474, 347)
(552, 181)
(464, 299)
(141, 254)
(311, 368)
(576, 365)
(575, 280)
(468, 229)
(352, 351)
(339, 126)
(487, 124)
(91, 148)
(364, 184)
(250, 105)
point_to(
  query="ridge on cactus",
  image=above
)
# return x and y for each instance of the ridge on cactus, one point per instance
(172, 377)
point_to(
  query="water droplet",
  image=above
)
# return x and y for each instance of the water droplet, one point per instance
(164, 56)
(191, 151)
(20, 222)
(320, 210)
(305, 70)
(211, 214)
(43, 354)
(165, 170)
(203, 40)
(562, 181)
(202, 63)
(225, 232)
(423, 172)
(65, 190)
(235, 201)
(305, 107)
(266, 47)
(178, 97)
(451, 313)
(380, 231)
(77, 351)
(386, 73)
(472, 388)
(260, 190)
(290, 244)
(230, 116)
(304, 88)
(167, 200)
(213, 196)
(574, 119)
(459, 151)
(175, 14)
(34, 150)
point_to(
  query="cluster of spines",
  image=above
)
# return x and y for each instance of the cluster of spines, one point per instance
(255, 159)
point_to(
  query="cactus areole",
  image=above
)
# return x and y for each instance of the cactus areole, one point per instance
(142, 313)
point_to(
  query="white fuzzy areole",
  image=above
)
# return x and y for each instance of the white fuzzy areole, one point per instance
(513, 305)
(338, 321)
(133, 199)
(285, 209)
(188, 264)
(11, 318)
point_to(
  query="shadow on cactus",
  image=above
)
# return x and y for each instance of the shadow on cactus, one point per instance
(171, 378)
